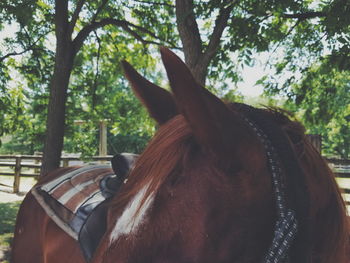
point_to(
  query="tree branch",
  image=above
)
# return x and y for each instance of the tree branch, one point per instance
(75, 15)
(154, 3)
(138, 37)
(189, 32)
(99, 9)
(14, 54)
(127, 26)
(220, 25)
(31, 47)
(286, 35)
(300, 17)
(84, 33)
(306, 15)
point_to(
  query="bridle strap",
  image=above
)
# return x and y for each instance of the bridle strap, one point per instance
(286, 225)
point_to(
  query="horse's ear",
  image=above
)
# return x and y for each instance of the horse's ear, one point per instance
(214, 125)
(159, 102)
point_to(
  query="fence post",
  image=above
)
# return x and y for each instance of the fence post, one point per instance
(103, 138)
(37, 161)
(17, 174)
(65, 162)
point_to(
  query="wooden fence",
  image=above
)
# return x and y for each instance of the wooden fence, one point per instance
(16, 163)
(341, 167)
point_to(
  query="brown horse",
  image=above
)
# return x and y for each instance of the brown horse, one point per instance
(218, 183)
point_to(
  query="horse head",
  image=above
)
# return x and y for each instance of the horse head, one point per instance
(207, 187)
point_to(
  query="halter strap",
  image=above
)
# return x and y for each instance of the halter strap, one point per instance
(286, 225)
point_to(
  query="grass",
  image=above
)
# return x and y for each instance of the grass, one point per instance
(8, 212)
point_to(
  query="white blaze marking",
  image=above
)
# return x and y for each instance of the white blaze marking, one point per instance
(130, 220)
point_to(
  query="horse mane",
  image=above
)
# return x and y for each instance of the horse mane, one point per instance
(170, 148)
(165, 151)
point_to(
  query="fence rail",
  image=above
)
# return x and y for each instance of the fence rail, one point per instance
(17, 162)
(341, 167)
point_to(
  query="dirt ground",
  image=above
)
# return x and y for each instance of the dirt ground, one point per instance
(7, 196)
(6, 190)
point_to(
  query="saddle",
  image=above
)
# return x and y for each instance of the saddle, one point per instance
(77, 201)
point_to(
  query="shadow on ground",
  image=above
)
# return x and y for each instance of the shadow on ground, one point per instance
(10, 191)
(8, 212)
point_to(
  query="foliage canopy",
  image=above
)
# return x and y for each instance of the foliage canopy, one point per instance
(309, 39)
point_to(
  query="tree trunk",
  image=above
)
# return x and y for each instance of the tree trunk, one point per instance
(198, 57)
(200, 71)
(64, 58)
(190, 38)
(55, 124)
(66, 50)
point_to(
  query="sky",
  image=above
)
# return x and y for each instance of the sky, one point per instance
(250, 76)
